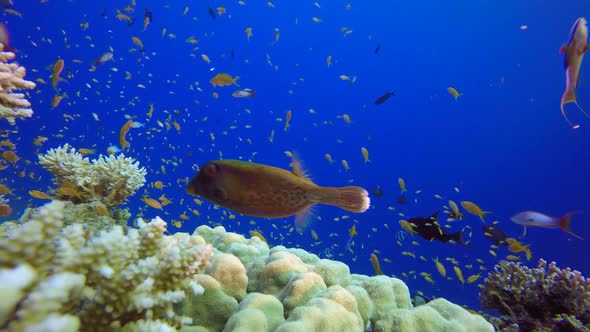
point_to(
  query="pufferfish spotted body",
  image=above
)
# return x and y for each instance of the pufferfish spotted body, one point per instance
(270, 192)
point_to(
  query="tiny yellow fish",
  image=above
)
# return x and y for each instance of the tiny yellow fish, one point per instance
(473, 278)
(474, 209)
(459, 274)
(345, 165)
(329, 158)
(137, 42)
(402, 184)
(287, 120)
(376, 265)
(365, 153)
(454, 92)
(440, 267)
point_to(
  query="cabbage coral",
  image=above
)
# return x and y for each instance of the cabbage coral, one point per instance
(545, 298)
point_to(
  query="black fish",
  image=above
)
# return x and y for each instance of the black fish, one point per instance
(148, 13)
(383, 98)
(378, 48)
(211, 13)
(131, 21)
(377, 191)
(401, 199)
(231, 53)
(429, 229)
(495, 234)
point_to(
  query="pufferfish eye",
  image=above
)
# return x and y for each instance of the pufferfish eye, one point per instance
(211, 169)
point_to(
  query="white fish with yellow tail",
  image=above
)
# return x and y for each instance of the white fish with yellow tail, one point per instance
(573, 53)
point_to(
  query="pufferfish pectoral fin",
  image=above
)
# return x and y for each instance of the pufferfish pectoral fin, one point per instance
(303, 219)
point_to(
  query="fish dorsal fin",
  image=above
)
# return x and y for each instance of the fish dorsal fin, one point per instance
(298, 170)
(434, 216)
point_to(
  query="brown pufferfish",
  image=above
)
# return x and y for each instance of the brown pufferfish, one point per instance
(270, 192)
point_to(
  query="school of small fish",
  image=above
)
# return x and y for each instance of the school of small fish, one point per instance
(196, 118)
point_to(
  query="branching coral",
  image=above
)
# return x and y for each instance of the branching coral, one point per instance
(13, 105)
(66, 278)
(542, 298)
(109, 180)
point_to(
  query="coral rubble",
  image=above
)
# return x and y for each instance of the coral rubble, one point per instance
(13, 105)
(545, 298)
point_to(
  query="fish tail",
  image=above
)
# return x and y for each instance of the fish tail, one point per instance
(458, 237)
(569, 96)
(350, 198)
(483, 214)
(564, 224)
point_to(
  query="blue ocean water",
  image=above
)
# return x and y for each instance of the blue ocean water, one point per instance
(503, 143)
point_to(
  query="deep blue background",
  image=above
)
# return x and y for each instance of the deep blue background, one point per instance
(504, 145)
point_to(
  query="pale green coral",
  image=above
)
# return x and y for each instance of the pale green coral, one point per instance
(109, 180)
(65, 275)
(65, 279)
(312, 294)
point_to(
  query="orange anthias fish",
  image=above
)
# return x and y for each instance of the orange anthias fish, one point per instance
(5, 210)
(58, 67)
(573, 54)
(270, 192)
(224, 79)
(124, 130)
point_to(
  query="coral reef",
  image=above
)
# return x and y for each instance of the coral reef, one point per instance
(109, 180)
(545, 298)
(293, 290)
(55, 278)
(13, 105)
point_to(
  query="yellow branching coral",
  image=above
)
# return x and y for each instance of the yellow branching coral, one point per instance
(13, 105)
(65, 279)
(109, 180)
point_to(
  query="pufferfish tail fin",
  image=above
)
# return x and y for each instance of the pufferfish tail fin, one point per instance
(350, 198)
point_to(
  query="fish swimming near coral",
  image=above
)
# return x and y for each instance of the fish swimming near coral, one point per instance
(573, 53)
(537, 219)
(429, 229)
(270, 192)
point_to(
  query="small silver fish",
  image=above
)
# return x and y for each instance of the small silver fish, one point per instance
(244, 93)
(106, 56)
